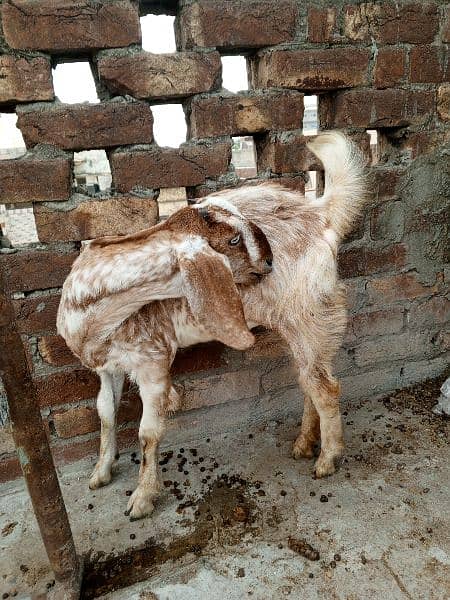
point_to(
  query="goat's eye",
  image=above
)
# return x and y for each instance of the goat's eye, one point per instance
(235, 241)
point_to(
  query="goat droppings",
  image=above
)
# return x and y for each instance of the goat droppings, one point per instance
(303, 548)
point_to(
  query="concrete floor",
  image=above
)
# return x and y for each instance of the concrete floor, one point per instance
(383, 531)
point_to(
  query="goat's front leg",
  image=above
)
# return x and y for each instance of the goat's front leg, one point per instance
(324, 390)
(154, 389)
(108, 401)
(309, 432)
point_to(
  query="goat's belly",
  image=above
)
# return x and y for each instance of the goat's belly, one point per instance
(188, 335)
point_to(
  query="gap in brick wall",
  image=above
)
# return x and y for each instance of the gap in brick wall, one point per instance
(374, 151)
(18, 225)
(74, 82)
(158, 34)
(169, 125)
(91, 171)
(311, 185)
(310, 121)
(243, 157)
(234, 73)
(11, 139)
(171, 200)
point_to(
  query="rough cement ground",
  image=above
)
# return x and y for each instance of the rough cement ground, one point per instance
(381, 524)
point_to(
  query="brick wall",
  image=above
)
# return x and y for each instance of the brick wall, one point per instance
(375, 65)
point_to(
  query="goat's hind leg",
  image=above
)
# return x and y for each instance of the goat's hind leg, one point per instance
(309, 432)
(108, 400)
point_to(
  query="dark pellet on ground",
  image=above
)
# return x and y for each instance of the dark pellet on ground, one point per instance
(202, 469)
(23, 568)
(426, 490)
(215, 465)
(303, 548)
(201, 459)
(333, 564)
(312, 493)
(186, 472)
(261, 493)
(90, 506)
(133, 455)
(363, 559)
(128, 493)
(323, 498)
(207, 440)
(240, 573)
(167, 483)
(193, 451)
(330, 495)
(197, 513)
(280, 546)
(311, 575)
(283, 493)
(137, 462)
(250, 436)
(164, 470)
(347, 475)
(182, 450)
(337, 557)
(132, 536)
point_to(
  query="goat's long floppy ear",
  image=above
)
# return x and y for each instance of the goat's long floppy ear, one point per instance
(214, 299)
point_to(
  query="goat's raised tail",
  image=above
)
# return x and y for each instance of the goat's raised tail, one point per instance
(345, 179)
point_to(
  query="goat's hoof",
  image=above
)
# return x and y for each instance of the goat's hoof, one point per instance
(325, 466)
(139, 505)
(99, 479)
(302, 449)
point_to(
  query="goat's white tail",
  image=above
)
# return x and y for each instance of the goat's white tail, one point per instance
(345, 180)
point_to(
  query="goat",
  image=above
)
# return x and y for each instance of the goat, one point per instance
(130, 301)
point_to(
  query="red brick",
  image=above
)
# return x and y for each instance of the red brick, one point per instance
(75, 421)
(218, 389)
(443, 102)
(321, 24)
(65, 387)
(446, 28)
(199, 358)
(311, 70)
(356, 262)
(86, 126)
(390, 67)
(414, 22)
(406, 345)
(30, 270)
(386, 181)
(9, 468)
(253, 112)
(292, 182)
(424, 142)
(235, 24)
(393, 288)
(430, 313)
(287, 152)
(25, 79)
(35, 178)
(169, 167)
(377, 108)
(87, 219)
(36, 315)
(70, 25)
(54, 351)
(161, 76)
(387, 221)
(378, 322)
(426, 64)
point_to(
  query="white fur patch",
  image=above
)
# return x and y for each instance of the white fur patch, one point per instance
(221, 203)
(191, 246)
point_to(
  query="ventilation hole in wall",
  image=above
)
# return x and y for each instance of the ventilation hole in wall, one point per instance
(234, 73)
(11, 140)
(18, 225)
(374, 151)
(158, 34)
(169, 126)
(310, 121)
(311, 185)
(74, 82)
(170, 200)
(244, 157)
(91, 171)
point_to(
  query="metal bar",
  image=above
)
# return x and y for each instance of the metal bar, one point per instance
(34, 454)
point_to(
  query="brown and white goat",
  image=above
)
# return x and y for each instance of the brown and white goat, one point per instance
(302, 299)
(131, 301)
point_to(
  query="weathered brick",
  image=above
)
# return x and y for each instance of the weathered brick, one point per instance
(279, 377)
(430, 313)
(218, 389)
(386, 182)
(418, 143)
(311, 70)
(66, 26)
(389, 23)
(161, 76)
(66, 387)
(390, 67)
(401, 345)
(199, 358)
(36, 315)
(393, 288)
(355, 262)
(35, 178)
(426, 64)
(446, 27)
(89, 218)
(87, 126)
(287, 152)
(29, 270)
(25, 79)
(377, 108)
(235, 24)
(378, 322)
(54, 351)
(253, 112)
(387, 221)
(168, 167)
(9, 468)
(443, 102)
(321, 24)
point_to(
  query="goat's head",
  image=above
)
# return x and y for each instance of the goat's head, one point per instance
(229, 233)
